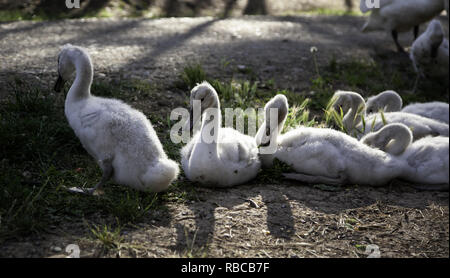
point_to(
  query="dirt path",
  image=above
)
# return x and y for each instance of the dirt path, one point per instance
(281, 220)
(156, 50)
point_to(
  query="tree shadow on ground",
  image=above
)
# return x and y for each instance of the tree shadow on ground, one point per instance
(278, 201)
(279, 220)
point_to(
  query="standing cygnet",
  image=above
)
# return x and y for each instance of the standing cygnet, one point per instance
(322, 155)
(400, 16)
(353, 107)
(427, 159)
(120, 138)
(217, 156)
(430, 53)
(390, 101)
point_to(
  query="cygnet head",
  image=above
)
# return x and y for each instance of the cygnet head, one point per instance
(351, 104)
(278, 107)
(393, 138)
(67, 59)
(207, 97)
(387, 101)
(346, 100)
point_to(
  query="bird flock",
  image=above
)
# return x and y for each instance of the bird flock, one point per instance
(429, 52)
(381, 140)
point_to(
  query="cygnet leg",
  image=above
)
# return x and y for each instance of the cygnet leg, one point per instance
(108, 170)
(395, 37)
(416, 84)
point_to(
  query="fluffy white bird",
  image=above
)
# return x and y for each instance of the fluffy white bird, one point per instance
(430, 53)
(217, 156)
(421, 126)
(321, 155)
(352, 105)
(399, 15)
(387, 101)
(392, 138)
(354, 109)
(120, 138)
(390, 101)
(427, 159)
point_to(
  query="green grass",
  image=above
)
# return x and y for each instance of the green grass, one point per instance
(242, 94)
(363, 76)
(192, 75)
(274, 174)
(15, 15)
(42, 157)
(11, 15)
(126, 91)
(299, 115)
(360, 75)
(191, 250)
(109, 237)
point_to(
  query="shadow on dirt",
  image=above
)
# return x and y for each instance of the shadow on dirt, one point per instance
(277, 200)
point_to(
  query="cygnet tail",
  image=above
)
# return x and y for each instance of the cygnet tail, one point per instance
(159, 176)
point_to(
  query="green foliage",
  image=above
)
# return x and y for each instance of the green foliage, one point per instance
(337, 118)
(273, 174)
(299, 116)
(236, 94)
(192, 75)
(109, 237)
(41, 157)
(132, 207)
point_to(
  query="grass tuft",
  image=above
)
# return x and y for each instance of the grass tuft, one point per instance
(192, 75)
(110, 238)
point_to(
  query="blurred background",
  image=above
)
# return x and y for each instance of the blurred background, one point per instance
(52, 9)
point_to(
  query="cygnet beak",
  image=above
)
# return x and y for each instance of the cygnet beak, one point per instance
(59, 84)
